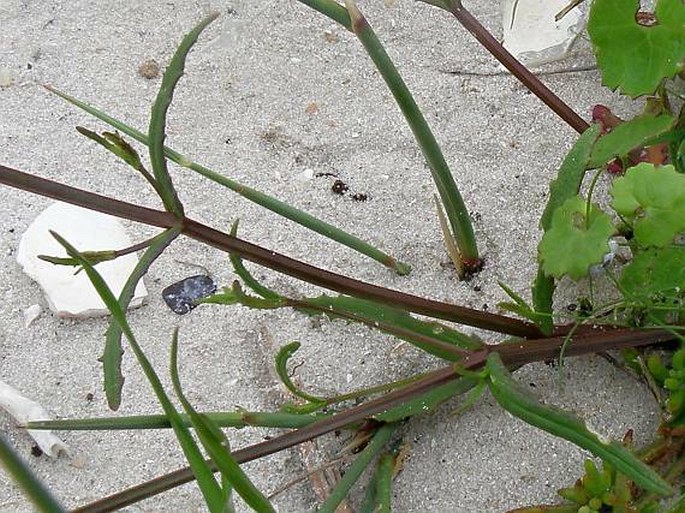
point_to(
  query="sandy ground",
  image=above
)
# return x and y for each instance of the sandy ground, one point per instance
(246, 109)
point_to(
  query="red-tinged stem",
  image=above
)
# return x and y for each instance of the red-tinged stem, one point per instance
(513, 355)
(517, 69)
(267, 258)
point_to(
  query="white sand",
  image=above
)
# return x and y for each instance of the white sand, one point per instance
(241, 109)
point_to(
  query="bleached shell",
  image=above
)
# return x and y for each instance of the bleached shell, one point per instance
(533, 36)
(69, 294)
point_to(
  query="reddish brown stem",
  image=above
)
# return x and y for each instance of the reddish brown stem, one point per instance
(267, 258)
(514, 355)
(517, 69)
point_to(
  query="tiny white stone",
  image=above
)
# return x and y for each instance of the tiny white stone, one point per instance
(31, 314)
(533, 36)
(69, 294)
(305, 175)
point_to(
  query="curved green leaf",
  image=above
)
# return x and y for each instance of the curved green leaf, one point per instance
(521, 403)
(653, 199)
(635, 57)
(205, 478)
(282, 358)
(216, 444)
(565, 186)
(171, 77)
(574, 242)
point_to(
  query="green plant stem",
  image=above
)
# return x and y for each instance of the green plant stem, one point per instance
(354, 471)
(513, 354)
(267, 258)
(455, 208)
(514, 66)
(239, 419)
(30, 484)
(264, 200)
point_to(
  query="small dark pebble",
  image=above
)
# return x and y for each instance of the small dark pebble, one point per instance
(360, 196)
(36, 451)
(181, 296)
(90, 397)
(339, 187)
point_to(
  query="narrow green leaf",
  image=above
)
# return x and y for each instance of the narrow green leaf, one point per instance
(111, 357)
(268, 202)
(246, 276)
(114, 143)
(354, 471)
(239, 420)
(158, 119)
(332, 10)
(34, 489)
(384, 474)
(428, 402)
(628, 136)
(210, 489)
(521, 403)
(565, 186)
(543, 300)
(215, 443)
(570, 176)
(385, 317)
(456, 210)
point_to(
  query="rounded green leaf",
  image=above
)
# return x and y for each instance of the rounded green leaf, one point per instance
(657, 277)
(632, 56)
(653, 200)
(574, 243)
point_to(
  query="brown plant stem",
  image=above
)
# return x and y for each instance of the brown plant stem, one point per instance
(513, 354)
(268, 258)
(523, 74)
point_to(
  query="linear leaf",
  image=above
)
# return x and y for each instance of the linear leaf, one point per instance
(627, 136)
(210, 489)
(521, 403)
(354, 471)
(215, 443)
(27, 481)
(172, 75)
(111, 357)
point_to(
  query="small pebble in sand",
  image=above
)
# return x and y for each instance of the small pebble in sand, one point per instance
(149, 69)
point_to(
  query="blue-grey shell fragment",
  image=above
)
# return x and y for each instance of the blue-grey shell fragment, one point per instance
(181, 296)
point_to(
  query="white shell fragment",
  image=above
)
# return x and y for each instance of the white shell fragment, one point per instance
(69, 294)
(533, 36)
(25, 410)
(31, 314)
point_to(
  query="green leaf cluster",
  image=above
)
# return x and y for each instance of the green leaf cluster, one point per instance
(652, 200)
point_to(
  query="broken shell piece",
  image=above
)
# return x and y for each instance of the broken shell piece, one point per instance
(531, 33)
(25, 410)
(181, 296)
(31, 314)
(69, 294)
